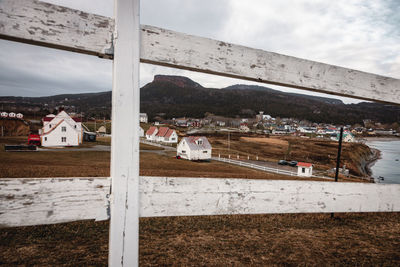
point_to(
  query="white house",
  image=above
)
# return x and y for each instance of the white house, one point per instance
(194, 148)
(20, 116)
(166, 135)
(12, 115)
(143, 117)
(171, 137)
(4, 114)
(151, 133)
(304, 169)
(61, 130)
(141, 132)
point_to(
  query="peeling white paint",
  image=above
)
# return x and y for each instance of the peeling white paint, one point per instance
(27, 201)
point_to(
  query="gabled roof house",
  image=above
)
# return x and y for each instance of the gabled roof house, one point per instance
(61, 130)
(194, 148)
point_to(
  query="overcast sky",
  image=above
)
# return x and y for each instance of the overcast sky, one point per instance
(358, 34)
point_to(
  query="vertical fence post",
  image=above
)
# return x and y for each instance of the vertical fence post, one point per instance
(124, 222)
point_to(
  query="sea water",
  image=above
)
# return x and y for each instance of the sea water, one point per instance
(388, 166)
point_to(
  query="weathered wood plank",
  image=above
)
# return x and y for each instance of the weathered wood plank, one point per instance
(124, 225)
(30, 201)
(208, 196)
(49, 25)
(39, 23)
(27, 201)
(178, 50)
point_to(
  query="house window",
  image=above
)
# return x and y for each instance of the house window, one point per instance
(205, 151)
(172, 139)
(183, 151)
(200, 142)
(45, 139)
(49, 125)
(303, 170)
(63, 139)
(63, 129)
(75, 126)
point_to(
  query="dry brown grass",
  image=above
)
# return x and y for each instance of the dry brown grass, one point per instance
(159, 165)
(268, 141)
(368, 239)
(290, 239)
(149, 147)
(321, 153)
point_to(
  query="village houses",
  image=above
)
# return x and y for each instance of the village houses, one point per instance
(194, 148)
(143, 117)
(61, 130)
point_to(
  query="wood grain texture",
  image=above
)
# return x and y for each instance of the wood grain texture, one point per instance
(49, 25)
(209, 196)
(59, 27)
(30, 201)
(173, 49)
(124, 225)
(27, 201)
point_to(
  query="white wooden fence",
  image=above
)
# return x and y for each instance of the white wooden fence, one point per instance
(255, 166)
(26, 201)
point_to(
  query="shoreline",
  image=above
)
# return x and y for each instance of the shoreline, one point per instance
(383, 138)
(375, 156)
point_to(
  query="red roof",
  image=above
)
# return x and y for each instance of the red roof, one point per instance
(48, 118)
(304, 164)
(77, 119)
(169, 133)
(34, 137)
(151, 130)
(162, 131)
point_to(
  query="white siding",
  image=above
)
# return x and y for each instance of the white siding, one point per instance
(54, 138)
(307, 171)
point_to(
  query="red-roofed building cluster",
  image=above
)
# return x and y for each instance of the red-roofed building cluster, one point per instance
(162, 135)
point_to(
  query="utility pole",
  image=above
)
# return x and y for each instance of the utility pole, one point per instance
(338, 154)
(338, 159)
(229, 141)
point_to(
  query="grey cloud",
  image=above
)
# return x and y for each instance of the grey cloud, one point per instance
(204, 18)
(36, 71)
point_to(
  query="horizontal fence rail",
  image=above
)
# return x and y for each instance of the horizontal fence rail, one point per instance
(54, 26)
(255, 166)
(33, 201)
(28, 201)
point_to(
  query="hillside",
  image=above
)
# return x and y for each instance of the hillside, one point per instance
(175, 100)
(13, 127)
(176, 96)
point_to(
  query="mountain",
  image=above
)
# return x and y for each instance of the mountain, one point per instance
(177, 96)
(168, 97)
(267, 89)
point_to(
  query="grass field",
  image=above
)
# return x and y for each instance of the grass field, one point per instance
(321, 153)
(366, 239)
(97, 164)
